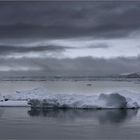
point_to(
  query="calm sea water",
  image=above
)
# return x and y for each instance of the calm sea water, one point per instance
(25, 123)
(70, 87)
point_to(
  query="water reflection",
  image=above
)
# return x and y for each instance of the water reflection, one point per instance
(103, 116)
(116, 116)
(1, 112)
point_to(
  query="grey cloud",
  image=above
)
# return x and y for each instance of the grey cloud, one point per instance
(68, 19)
(9, 49)
(18, 49)
(84, 66)
(91, 66)
(54, 20)
(99, 45)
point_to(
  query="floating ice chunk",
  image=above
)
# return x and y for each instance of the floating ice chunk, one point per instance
(42, 98)
(114, 100)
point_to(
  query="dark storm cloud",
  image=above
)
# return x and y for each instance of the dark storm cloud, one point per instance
(68, 19)
(9, 49)
(18, 49)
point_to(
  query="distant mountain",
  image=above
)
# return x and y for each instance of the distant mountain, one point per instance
(131, 75)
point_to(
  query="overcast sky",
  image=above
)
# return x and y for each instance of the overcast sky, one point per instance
(69, 38)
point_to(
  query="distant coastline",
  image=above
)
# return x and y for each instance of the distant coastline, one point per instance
(132, 77)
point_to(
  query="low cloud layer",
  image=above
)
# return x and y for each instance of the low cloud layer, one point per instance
(84, 66)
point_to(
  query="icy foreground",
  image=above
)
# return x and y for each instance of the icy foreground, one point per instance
(41, 98)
